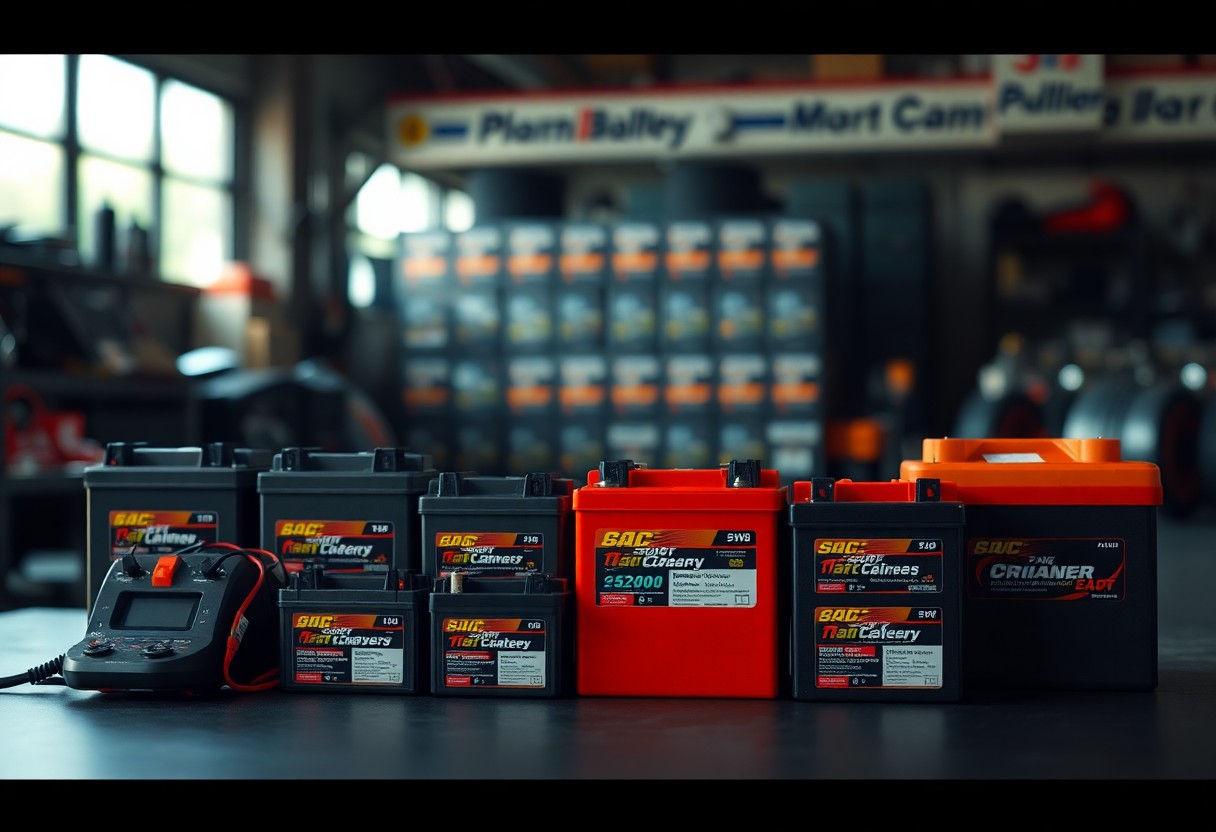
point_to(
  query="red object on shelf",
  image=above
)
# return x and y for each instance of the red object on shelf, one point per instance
(1109, 210)
(37, 439)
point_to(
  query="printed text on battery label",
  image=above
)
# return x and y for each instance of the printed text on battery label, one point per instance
(871, 565)
(676, 567)
(878, 647)
(1051, 569)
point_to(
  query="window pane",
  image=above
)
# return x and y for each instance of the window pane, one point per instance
(32, 93)
(371, 246)
(31, 185)
(361, 282)
(197, 241)
(115, 108)
(458, 211)
(127, 189)
(419, 199)
(358, 168)
(378, 203)
(196, 133)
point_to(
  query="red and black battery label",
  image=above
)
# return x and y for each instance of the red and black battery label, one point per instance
(494, 652)
(364, 544)
(878, 647)
(675, 568)
(160, 532)
(855, 565)
(1047, 569)
(490, 553)
(347, 649)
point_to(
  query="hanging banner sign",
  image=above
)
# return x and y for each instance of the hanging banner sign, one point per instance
(655, 125)
(1164, 107)
(1048, 93)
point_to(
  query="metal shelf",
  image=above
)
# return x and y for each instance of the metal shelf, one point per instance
(60, 384)
(44, 484)
(154, 401)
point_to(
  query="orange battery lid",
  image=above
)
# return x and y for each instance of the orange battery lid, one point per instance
(1037, 471)
(892, 491)
(684, 489)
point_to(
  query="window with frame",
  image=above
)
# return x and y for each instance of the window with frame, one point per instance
(392, 202)
(83, 133)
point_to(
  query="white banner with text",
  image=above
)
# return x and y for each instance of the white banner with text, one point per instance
(675, 123)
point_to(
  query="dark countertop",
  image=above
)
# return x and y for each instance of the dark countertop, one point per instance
(54, 732)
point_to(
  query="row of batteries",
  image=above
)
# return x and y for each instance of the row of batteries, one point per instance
(990, 563)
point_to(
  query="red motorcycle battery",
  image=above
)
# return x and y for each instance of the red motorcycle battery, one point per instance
(152, 500)
(1059, 560)
(355, 632)
(678, 581)
(352, 511)
(501, 636)
(877, 596)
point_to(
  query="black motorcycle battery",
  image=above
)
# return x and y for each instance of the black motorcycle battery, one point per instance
(157, 501)
(346, 632)
(501, 636)
(497, 525)
(877, 591)
(352, 511)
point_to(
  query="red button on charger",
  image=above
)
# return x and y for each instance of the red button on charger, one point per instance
(162, 575)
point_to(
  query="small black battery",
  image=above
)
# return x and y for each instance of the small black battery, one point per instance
(501, 636)
(353, 511)
(497, 526)
(152, 500)
(347, 632)
(877, 591)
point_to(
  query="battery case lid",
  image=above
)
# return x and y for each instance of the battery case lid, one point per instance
(1038, 471)
(740, 485)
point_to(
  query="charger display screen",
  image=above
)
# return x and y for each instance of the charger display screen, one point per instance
(155, 611)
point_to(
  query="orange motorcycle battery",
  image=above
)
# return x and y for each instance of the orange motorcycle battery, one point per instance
(1059, 561)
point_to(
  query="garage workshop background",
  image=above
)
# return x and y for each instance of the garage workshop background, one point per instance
(523, 263)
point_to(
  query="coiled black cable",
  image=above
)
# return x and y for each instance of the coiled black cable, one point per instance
(46, 673)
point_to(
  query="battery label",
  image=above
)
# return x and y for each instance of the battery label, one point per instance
(583, 250)
(878, 647)
(355, 649)
(1047, 569)
(160, 532)
(425, 261)
(676, 568)
(850, 565)
(494, 652)
(490, 553)
(362, 544)
(580, 316)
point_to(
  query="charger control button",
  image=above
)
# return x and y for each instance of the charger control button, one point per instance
(158, 649)
(98, 647)
(162, 573)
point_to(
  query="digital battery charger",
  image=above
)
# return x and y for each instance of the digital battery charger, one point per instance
(186, 622)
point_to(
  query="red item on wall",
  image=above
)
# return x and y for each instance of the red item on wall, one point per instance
(1108, 210)
(36, 438)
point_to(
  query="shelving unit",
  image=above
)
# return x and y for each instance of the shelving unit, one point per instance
(69, 363)
(1040, 282)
